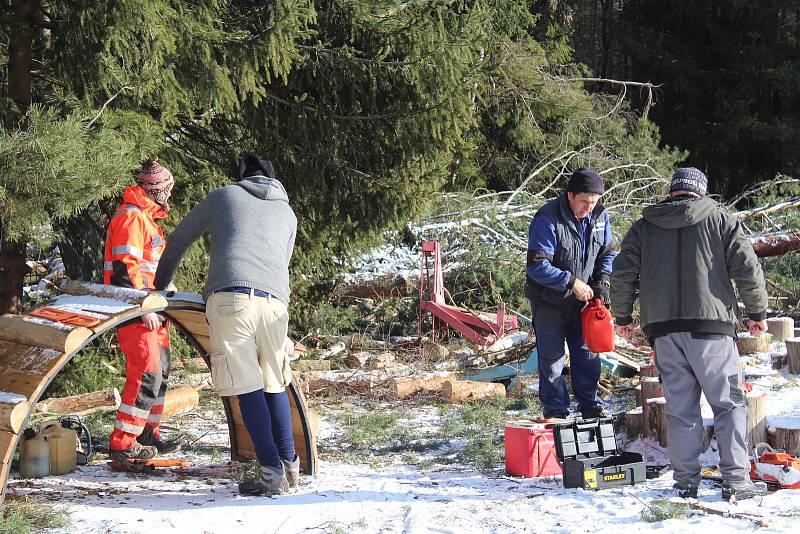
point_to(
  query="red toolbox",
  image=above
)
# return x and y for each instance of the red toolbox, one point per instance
(530, 450)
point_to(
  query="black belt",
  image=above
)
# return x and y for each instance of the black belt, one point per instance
(242, 289)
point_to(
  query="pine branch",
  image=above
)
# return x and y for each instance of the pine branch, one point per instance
(107, 102)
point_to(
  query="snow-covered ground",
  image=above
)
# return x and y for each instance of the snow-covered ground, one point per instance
(391, 496)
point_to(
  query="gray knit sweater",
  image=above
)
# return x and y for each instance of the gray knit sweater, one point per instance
(252, 232)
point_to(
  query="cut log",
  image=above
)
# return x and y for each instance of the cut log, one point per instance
(776, 245)
(83, 404)
(179, 401)
(311, 365)
(402, 388)
(651, 388)
(750, 345)
(335, 349)
(13, 411)
(325, 386)
(657, 421)
(793, 354)
(787, 439)
(781, 328)
(756, 418)
(633, 423)
(381, 361)
(41, 333)
(469, 390)
(357, 360)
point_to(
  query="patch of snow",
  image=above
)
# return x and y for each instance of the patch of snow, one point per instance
(98, 307)
(11, 398)
(46, 322)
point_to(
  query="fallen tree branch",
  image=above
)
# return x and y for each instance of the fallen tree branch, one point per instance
(736, 515)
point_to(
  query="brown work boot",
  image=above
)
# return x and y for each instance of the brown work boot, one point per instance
(268, 481)
(292, 470)
(137, 451)
(163, 446)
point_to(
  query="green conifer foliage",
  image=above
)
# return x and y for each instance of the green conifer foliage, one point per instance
(367, 108)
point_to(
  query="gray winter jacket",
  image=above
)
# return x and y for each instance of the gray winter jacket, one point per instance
(681, 256)
(252, 231)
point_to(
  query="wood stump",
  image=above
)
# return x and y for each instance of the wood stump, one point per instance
(651, 388)
(637, 394)
(750, 345)
(793, 355)
(648, 371)
(781, 328)
(657, 421)
(787, 439)
(633, 423)
(756, 418)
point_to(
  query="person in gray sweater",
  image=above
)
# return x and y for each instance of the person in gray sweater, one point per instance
(681, 258)
(252, 230)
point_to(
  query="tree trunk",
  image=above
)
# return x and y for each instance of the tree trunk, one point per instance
(12, 275)
(20, 86)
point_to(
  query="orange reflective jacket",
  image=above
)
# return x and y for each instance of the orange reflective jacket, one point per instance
(134, 243)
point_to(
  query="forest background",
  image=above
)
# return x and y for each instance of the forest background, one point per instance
(377, 113)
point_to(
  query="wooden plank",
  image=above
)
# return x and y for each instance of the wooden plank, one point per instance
(194, 322)
(37, 332)
(13, 412)
(244, 445)
(26, 384)
(144, 299)
(34, 360)
(8, 441)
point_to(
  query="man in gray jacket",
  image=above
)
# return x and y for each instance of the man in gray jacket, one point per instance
(681, 257)
(252, 230)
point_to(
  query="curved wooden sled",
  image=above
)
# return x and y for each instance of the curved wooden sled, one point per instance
(33, 351)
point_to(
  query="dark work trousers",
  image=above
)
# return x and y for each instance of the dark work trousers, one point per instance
(689, 363)
(553, 326)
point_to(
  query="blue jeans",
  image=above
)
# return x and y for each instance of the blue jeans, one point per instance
(554, 325)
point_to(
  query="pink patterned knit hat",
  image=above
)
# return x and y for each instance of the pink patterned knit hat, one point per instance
(156, 180)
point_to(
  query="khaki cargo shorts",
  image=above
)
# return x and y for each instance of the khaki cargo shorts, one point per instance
(247, 337)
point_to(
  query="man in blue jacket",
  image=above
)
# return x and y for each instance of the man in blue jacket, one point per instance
(569, 262)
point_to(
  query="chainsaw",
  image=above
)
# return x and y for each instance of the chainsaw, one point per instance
(776, 468)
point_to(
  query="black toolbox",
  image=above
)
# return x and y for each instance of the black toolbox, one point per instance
(587, 450)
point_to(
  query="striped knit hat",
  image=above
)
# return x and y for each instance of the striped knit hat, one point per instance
(156, 180)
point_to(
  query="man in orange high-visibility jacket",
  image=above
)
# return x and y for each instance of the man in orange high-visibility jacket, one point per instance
(133, 247)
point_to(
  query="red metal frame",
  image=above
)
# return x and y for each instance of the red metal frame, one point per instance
(474, 328)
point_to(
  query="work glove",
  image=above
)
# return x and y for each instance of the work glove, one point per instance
(602, 289)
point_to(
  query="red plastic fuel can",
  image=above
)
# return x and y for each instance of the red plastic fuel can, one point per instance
(598, 327)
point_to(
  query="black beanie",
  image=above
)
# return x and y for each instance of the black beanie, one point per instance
(586, 180)
(252, 166)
